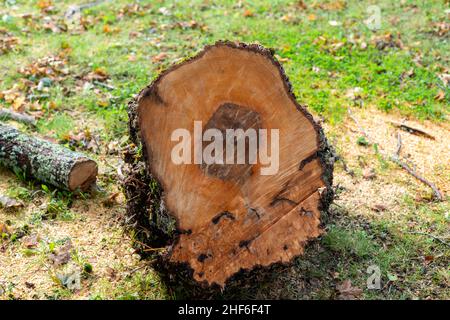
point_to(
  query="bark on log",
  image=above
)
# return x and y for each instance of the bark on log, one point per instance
(45, 161)
(6, 114)
(214, 221)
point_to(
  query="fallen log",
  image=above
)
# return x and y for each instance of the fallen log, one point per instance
(212, 220)
(6, 114)
(45, 161)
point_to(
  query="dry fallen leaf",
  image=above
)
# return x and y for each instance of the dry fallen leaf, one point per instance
(281, 59)
(159, 57)
(7, 43)
(44, 4)
(445, 78)
(4, 229)
(312, 17)
(369, 174)
(248, 13)
(354, 93)
(31, 241)
(111, 200)
(440, 96)
(347, 291)
(441, 29)
(9, 203)
(63, 255)
(302, 5)
(379, 208)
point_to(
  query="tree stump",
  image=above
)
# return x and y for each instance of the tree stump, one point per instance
(215, 220)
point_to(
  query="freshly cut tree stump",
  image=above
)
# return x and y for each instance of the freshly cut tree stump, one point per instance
(216, 220)
(45, 161)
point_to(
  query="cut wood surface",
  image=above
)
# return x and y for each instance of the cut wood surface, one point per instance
(229, 217)
(45, 161)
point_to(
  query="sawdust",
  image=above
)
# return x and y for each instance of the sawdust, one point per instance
(391, 184)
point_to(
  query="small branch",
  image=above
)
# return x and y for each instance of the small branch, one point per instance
(104, 85)
(399, 145)
(408, 169)
(412, 130)
(361, 129)
(345, 166)
(396, 159)
(431, 236)
(6, 114)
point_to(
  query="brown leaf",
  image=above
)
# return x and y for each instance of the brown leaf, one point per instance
(111, 200)
(281, 59)
(159, 57)
(379, 208)
(4, 229)
(63, 255)
(7, 43)
(347, 291)
(134, 34)
(441, 28)
(445, 78)
(44, 4)
(31, 241)
(9, 203)
(440, 96)
(335, 5)
(407, 74)
(106, 29)
(312, 17)
(99, 74)
(248, 13)
(369, 174)
(301, 5)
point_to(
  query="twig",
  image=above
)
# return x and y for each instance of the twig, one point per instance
(361, 129)
(344, 165)
(19, 117)
(399, 145)
(436, 191)
(412, 130)
(431, 236)
(148, 263)
(396, 159)
(72, 10)
(104, 85)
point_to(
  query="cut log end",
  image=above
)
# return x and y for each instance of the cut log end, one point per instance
(83, 175)
(231, 217)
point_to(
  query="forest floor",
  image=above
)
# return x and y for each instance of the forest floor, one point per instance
(76, 75)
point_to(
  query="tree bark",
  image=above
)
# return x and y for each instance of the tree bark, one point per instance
(19, 117)
(45, 161)
(212, 222)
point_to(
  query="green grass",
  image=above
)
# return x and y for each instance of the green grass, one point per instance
(399, 252)
(323, 62)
